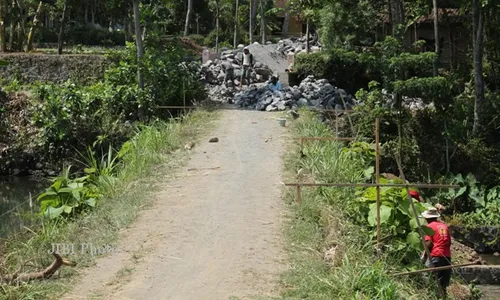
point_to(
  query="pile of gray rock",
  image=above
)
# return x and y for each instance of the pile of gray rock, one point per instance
(212, 73)
(310, 92)
(220, 93)
(298, 45)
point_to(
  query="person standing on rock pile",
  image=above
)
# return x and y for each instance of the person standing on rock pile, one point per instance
(247, 65)
(439, 246)
(228, 69)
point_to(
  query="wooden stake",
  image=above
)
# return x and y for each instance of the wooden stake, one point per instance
(298, 194)
(434, 269)
(348, 116)
(184, 96)
(336, 123)
(377, 180)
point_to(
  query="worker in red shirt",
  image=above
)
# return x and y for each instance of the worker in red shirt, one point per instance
(439, 246)
(415, 195)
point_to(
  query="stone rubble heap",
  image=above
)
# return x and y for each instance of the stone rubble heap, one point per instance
(220, 93)
(298, 45)
(310, 92)
(211, 72)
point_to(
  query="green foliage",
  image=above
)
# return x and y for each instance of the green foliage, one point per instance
(317, 64)
(396, 217)
(427, 88)
(347, 69)
(472, 204)
(70, 116)
(348, 23)
(224, 37)
(68, 197)
(339, 219)
(95, 37)
(198, 39)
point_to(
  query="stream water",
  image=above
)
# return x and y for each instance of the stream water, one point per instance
(15, 209)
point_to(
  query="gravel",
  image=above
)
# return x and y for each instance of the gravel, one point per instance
(310, 92)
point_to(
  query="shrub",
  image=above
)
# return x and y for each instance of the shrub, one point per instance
(95, 37)
(198, 39)
(317, 64)
(223, 37)
(347, 69)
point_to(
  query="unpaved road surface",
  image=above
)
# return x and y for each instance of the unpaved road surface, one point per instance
(215, 232)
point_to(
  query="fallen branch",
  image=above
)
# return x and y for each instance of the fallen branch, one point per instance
(17, 278)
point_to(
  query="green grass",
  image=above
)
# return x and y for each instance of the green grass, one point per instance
(82, 49)
(330, 256)
(153, 154)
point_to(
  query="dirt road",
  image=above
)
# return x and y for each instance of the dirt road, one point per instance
(213, 233)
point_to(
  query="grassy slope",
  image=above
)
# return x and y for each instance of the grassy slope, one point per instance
(332, 258)
(152, 156)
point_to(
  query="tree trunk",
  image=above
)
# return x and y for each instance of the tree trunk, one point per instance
(263, 21)
(188, 17)
(21, 34)
(436, 36)
(255, 6)
(397, 17)
(36, 20)
(86, 15)
(61, 28)
(3, 13)
(217, 25)
(236, 24)
(477, 34)
(197, 24)
(307, 36)
(130, 29)
(250, 29)
(92, 14)
(286, 23)
(13, 24)
(138, 40)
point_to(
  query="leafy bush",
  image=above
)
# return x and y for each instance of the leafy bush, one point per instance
(224, 37)
(198, 39)
(82, 35)
(396, 218)
(347, 69)
(472, 204)
(427, 88)
(95, 37)
(317, 64)
(68, 197)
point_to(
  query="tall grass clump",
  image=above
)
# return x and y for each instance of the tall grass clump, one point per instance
(126, 179)
(333, 253)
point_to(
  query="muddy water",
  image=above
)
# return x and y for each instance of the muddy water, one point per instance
(490, 259)
(15, 209)
(490, 292)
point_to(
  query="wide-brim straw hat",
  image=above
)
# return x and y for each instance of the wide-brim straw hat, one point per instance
(430, 214)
